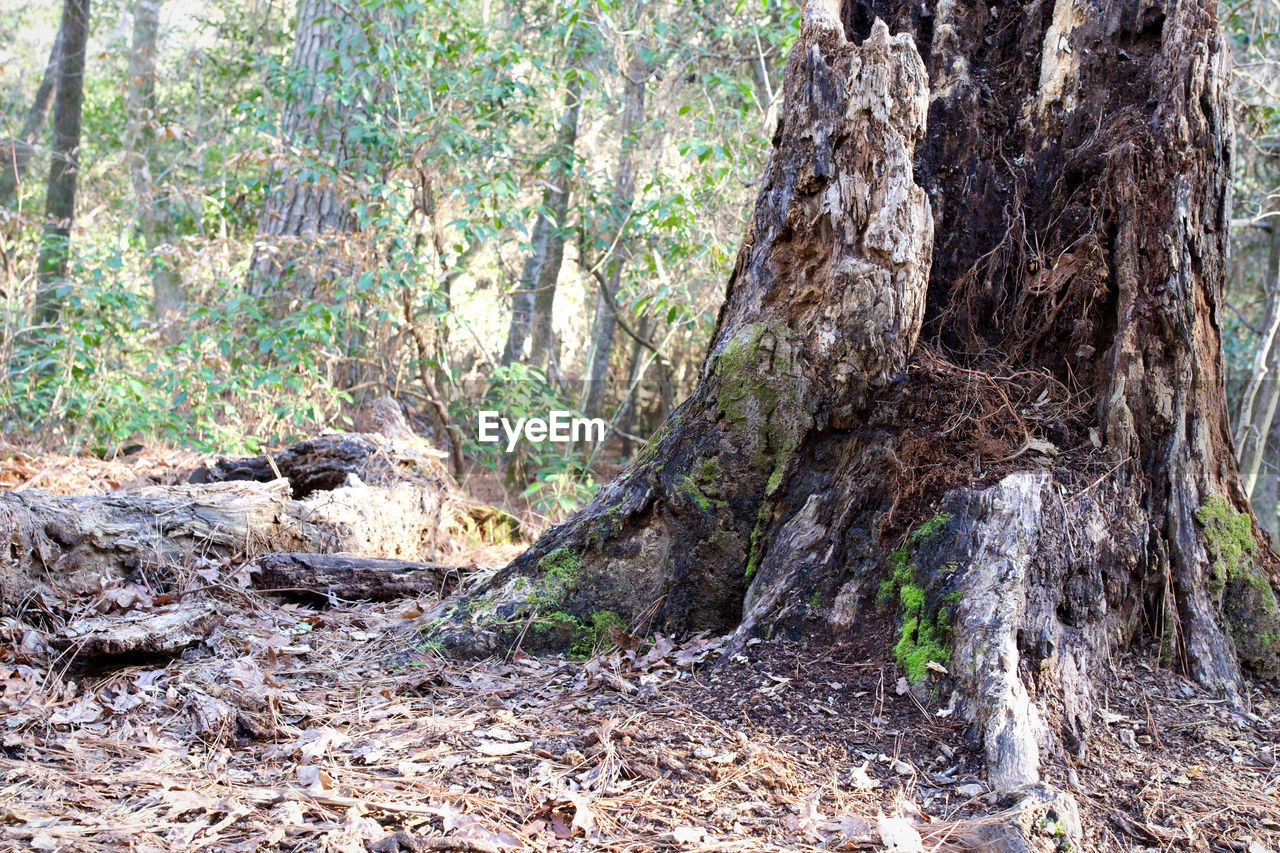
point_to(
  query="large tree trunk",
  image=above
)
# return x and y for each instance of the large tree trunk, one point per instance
(152, 208)
(16, 153)
(1047, 475)
(304, 231)
(60, 200)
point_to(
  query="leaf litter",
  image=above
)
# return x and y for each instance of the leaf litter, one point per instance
(281, 726)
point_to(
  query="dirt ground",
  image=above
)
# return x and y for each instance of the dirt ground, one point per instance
(336, 728)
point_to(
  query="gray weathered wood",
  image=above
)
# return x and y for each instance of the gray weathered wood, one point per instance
(350, 576)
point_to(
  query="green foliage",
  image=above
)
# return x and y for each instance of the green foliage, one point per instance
(446, 115)
(101, 374)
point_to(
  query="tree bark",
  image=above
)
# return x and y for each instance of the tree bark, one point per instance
(1050, 474)
(60, 200)
(606, 322)
(556, 201)
(1265, 497)
(532, 304)
(523, 298)
(168, 296)
(305, 229)
(16, 153)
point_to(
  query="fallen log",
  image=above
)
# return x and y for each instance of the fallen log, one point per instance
(164, 631)
(350, 577)
(327, 462)
(365, 494)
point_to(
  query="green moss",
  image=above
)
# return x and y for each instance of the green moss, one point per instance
(922, 637)
(1252, 614)
(595, 635)
(686, 487)
(559, 570)
(1230, 537)
(554, 630)
(724, 540)
(756, 554)
(762, 406)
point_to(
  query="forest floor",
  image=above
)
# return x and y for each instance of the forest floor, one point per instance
(334, 727)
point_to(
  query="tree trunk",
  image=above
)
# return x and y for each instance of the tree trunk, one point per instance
(168, 296)
(522, 299)
(1266, 490)
(556, 202)
(1050, 474)
(1258, 407)
(305, 228)
(60, 201)
(606, 322)
(17, 152)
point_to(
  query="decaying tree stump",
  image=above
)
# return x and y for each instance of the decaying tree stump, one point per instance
(1049, 475)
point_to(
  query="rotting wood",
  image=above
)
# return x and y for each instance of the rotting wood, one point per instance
(164, 631)
(353, 494)
(1080, 497)
(351, 577)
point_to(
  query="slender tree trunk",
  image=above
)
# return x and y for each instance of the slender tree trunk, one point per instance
(523, 298)
(304, 232)
(630, 416)
(556, 201)
(1266, 490)
(1049, 475)
(60, 200)
(168, 295)
(606, 322)
(16, 153)
(1258, 408)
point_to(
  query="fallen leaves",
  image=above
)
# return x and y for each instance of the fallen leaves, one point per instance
(898, 835)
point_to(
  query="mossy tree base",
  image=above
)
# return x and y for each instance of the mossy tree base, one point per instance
(1041, 484)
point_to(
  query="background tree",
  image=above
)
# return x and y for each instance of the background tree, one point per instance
(306, 221)
(17, 153)
(154, 218)
(60, 200)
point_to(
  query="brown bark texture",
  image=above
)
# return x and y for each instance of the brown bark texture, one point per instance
(965, 396)
(306, 228)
